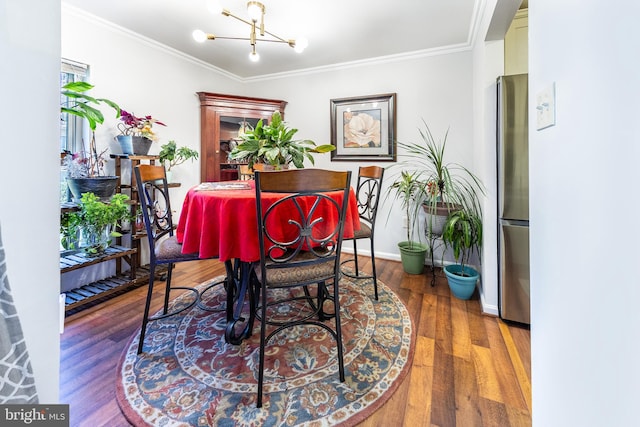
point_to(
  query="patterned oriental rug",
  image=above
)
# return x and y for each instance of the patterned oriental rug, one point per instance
(189, 376)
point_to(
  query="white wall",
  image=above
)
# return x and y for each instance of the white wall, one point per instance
(146, 79)
(584, 179)
(488, 64)
(437, 89)
(29, 171)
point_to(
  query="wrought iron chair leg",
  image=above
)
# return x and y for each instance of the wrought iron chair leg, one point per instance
(145, 318)
(167, 291)
(374, 272)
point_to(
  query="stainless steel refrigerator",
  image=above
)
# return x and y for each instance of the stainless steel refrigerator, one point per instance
(513, 198)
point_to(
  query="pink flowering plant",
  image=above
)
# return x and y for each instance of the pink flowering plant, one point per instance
(138, 126)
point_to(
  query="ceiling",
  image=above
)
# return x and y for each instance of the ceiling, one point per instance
(339, 31)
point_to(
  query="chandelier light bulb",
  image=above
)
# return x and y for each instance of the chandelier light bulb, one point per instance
(254, 57)
(199, 36)
(255, 10)
(301, 44)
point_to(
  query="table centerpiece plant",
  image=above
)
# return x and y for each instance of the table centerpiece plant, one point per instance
(273, 144)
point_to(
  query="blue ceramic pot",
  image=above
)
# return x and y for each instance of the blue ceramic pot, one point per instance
(462, 286)
(126, 143)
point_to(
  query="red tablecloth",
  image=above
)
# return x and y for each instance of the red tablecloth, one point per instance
(223, 223)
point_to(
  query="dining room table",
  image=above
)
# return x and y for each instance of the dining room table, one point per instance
(219, 220)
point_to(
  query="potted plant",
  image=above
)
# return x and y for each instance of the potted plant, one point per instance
(171, 155)
(137, 133)
(446, 186)
(69, 230)
(407, 189)
(463, 233)
(273, 144)
(86, 170)
(97, 221)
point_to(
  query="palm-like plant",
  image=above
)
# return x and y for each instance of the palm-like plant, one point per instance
(85, 106)
(463, 232)
(406, 189)
(273, 144)
(455, 185)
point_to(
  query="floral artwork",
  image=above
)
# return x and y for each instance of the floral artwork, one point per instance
(364, 128)
(361, 129)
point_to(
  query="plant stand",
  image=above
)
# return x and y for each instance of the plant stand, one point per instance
(432, 238)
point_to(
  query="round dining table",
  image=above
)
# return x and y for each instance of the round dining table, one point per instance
(219, 220)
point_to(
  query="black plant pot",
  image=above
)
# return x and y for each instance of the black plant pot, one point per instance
(141, 145)
(103, 187)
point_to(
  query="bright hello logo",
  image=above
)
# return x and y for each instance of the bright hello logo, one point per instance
(34, 415)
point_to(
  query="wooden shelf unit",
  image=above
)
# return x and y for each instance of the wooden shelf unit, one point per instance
(137, 274)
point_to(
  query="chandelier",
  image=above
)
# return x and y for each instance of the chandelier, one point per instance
(256, 12)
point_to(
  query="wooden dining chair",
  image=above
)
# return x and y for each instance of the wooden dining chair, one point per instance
(164, 249)
(300, 238)
(245, 172)
(368, 191)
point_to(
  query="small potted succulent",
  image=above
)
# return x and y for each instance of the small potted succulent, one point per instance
(137, 133)
(86, 169)
(273, 145)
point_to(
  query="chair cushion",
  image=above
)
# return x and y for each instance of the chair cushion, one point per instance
(169, 249)
(317, 272)
(364, 232)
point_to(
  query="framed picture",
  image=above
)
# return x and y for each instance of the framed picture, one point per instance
(364, 128)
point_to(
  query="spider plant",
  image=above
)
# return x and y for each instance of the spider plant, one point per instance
(444, 183)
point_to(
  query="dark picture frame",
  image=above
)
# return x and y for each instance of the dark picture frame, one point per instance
(364, 128)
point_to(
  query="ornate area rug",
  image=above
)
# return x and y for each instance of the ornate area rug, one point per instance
(189, 376)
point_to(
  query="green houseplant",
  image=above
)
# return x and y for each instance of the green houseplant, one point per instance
(86, 168)
(273, 144)
(442, 187)
(171, 155)
(407, 189)
(136, 133)
(463, 233)
(446, 186)
(97, 221)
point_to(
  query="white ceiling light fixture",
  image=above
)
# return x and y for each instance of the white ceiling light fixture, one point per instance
(256, 12)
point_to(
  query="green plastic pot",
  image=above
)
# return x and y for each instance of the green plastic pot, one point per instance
(412, 255)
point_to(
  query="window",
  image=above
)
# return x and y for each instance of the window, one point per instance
(71, 127)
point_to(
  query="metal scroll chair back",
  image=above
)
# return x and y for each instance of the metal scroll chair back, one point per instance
(300, 238)
(153, 192)
(368, 192)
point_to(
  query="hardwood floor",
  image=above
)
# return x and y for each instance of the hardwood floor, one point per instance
(469, 369)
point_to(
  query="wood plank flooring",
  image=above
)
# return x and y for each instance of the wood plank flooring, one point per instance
(469, 369)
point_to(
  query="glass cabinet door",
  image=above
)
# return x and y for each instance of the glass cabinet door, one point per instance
(231, 130)
(222, 118)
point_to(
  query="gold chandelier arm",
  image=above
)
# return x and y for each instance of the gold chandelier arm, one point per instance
(256, 12)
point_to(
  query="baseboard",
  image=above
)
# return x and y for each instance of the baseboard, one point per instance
(488, 309)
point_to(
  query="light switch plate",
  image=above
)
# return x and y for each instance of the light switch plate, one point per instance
(546, 107)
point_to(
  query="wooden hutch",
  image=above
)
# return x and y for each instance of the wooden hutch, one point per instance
(221, 117)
